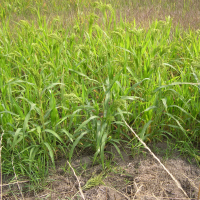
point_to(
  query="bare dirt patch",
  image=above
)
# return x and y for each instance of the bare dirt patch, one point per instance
(137, 176)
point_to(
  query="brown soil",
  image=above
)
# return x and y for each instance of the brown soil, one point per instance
(138, 176)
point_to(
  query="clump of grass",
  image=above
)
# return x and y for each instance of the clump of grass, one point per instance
(61, 88)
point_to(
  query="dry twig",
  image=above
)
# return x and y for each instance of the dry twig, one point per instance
(80, 189)
(14, 183)
(177, 183)
(17, 180)
(117, 191)
(138, 190)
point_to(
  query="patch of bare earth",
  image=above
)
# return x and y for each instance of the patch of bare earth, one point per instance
(134, 177)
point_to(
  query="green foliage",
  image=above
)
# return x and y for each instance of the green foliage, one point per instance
(62, 89)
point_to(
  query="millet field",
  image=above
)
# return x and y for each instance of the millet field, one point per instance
(75, 74)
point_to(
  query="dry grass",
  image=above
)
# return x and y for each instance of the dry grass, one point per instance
(186, 17)
(185, 13)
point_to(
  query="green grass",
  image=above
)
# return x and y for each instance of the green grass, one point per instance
(62, 85)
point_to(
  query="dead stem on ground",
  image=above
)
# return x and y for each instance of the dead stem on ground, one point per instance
(17, 180)
(175, 180)
(80, 189)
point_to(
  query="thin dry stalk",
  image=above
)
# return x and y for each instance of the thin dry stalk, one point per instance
(191, 182)
(80, 189)
(0, 167)
(167, 198)
(116, 191)
(14, 183)
(17, 180)
(177, 183)
(138, 190)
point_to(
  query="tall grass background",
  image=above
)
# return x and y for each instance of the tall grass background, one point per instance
(69, 70)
